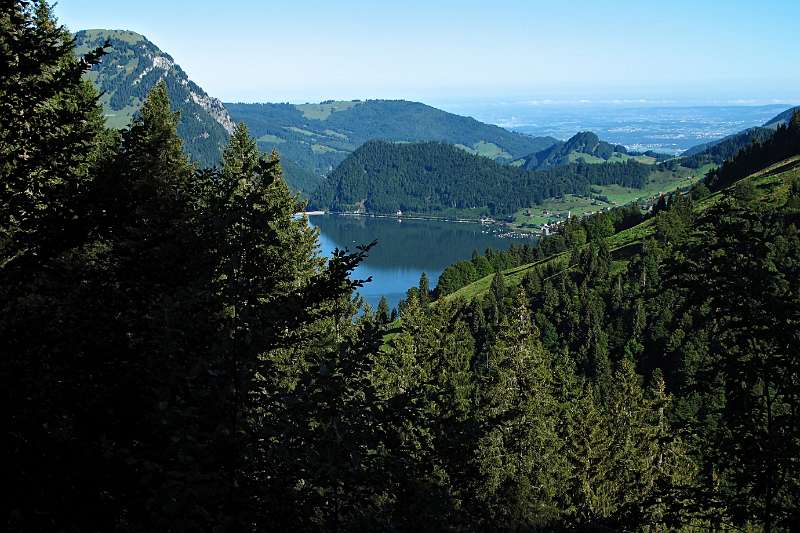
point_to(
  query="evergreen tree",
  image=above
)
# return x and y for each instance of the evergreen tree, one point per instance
(424, 290)
(590, 493)
(383, 313)
(51, 143)
(647, 457)
(519, 455)
(498, 290)
(50, 137)
(745, 269)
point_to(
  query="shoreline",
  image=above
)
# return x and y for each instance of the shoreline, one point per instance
(509, 233)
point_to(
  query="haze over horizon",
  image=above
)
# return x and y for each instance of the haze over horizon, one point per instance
(534, 53)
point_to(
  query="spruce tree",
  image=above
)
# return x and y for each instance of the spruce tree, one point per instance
(591, 490)
(383, 313)
(520, 452)
(50, 132)
(424, 290)
(498, 290)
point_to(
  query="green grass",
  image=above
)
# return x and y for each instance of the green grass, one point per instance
(616, 157)
(490, 150)
(555, 210)
(512, 278)
(274, 139)
(323, 111)
(772, 185)
(632, 235)
(336, 134)
(621, 158)
(486, 149)
(646, 159)
(301, 131)
(574, 157)
(130, 37)
(322, 149)
(120, 119)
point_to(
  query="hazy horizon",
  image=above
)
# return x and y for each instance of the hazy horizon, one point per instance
(530, 51)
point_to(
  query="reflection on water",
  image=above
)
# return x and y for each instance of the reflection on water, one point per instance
(405, 249)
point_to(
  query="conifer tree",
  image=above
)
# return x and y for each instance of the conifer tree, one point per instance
(383, 313)
(498, 287)
(424, 290)
(520, 453)
(645, 455)
(590, 493)
(50, 130)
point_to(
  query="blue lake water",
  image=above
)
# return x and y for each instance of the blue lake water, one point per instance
(406, 248)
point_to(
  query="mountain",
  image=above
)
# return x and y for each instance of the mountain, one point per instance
(315, 138)
(725, 148)
(129, 71)
(781, 118)
(439, 178)
(767, 175)
(734, 143)
(583, 145)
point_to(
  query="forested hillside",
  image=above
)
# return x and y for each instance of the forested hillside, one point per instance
(129, 71)
(583, 145)
(315, 138)
(781, 119)
(724, 149)
(175, 356)
(382, 177)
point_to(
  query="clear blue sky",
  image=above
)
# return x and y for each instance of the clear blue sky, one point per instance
(434, 50)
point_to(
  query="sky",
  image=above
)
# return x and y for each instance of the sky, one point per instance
(723, 51)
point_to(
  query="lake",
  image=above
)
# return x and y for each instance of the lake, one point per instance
(406, 248)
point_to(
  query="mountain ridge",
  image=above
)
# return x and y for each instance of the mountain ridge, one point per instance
(318, 137)
(584, 144)
(438, 178)
(131, 68)
(744, 137)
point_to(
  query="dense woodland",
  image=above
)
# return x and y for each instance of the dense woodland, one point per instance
(175, 356)
(430, 177)
(318, 142)
(575, 232)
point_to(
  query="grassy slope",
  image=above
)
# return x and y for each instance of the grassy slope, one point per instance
(130, 37)
(556, 209)
(485, 149)
(771, 183)
(323, 111)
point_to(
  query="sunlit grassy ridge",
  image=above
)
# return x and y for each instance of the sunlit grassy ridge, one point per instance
(660, 181)
(771, 184)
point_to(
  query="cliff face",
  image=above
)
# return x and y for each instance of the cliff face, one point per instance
(129, 71)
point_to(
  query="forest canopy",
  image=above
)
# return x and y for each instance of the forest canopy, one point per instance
(176, 356)
(429, 177)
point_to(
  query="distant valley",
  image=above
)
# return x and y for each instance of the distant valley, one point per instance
(383, 156)
(667, 127)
